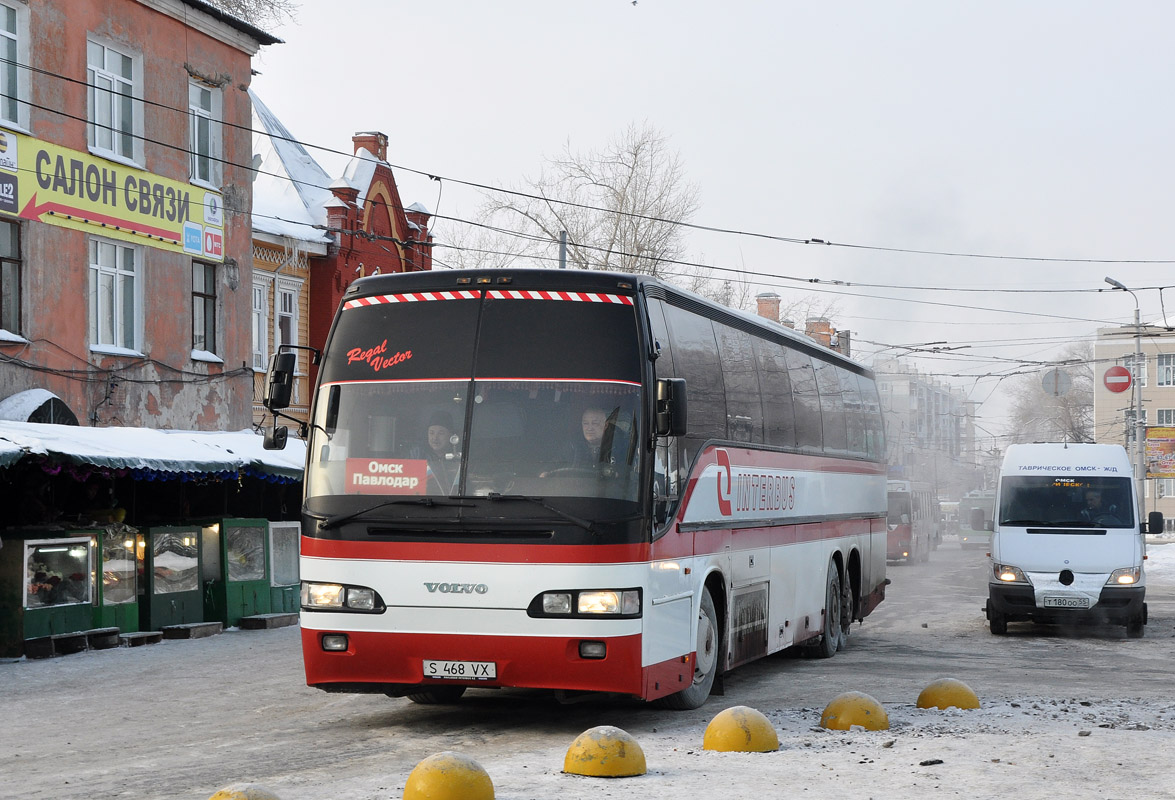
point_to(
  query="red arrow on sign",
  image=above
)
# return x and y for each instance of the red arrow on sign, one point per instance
(1117, 379)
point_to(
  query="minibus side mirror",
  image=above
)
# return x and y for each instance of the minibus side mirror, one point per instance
(671, 412)
(1155, 522)
(279, 388)
(988, 525)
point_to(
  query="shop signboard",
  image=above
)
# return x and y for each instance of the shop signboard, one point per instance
(1160, 452)
(73, 189)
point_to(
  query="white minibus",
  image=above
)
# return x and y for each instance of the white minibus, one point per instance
(1067, 544)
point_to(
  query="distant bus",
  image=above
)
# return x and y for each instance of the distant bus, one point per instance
(683, 546)
(971, 538)
(912, 521)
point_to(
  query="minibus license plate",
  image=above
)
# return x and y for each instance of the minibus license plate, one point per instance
(1066, 602)
(461, 670)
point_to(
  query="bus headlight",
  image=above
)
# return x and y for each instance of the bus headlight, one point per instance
(1005, 573)
(609, 601)
(587, 603)
(1127, 576)
(340, 597)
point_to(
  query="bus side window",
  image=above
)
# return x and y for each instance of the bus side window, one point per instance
(666, 482)
(806, 398)
(779, 420)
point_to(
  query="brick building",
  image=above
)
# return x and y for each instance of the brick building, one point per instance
(125, 194)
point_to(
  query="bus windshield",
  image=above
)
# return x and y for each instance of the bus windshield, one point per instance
(1066, 501)
(454, 399)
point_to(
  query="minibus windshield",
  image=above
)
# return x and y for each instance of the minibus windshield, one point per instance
(1066, 501)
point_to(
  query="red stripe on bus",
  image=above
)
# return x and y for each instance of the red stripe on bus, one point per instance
(495, 553)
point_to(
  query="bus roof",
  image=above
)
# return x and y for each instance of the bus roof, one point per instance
(592, 281)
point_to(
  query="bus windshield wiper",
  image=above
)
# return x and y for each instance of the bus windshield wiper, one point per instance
(538, 501)
(339, 519)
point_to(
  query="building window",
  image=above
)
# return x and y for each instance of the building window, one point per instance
(204, 132)
(260, 328)
(10, 276)
(1137, 370)
(1166, 367)
(203, 307)
(287, 316)
(1165, 417)
(111, 78)
(14, 76)
(114, 295)
(1166, 487)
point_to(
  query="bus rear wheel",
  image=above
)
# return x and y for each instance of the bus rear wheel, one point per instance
(705, 661)
(829, 640)
(437, 695)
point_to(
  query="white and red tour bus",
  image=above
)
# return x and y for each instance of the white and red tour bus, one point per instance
(912, 519)
(577, 481)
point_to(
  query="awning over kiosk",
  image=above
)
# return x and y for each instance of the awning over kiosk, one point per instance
(151, 450)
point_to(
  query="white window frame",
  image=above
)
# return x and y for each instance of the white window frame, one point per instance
(1137, 374)
(1165, 487)
(209, 296)
(102, 82)
(119, 277)
(15, 79)
(260, 326)
(205, 157)
(292, 288)
(1165, 366)
(1165, 418)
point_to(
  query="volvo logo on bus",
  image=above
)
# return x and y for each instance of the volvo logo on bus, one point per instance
(456, 588)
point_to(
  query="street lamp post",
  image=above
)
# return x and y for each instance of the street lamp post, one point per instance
(1139, 424)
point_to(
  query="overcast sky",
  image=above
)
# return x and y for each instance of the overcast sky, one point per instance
(1040, 130)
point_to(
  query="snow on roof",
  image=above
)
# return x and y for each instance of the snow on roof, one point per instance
(21, 405)
(417, 207)
(290, 188)
(359, 172)
(151, 449)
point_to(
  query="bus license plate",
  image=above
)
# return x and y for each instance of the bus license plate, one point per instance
(461, 670)
(1066, 602)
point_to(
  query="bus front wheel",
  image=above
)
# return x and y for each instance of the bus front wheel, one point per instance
(705, 660)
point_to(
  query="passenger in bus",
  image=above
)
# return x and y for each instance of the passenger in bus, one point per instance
(442, 462)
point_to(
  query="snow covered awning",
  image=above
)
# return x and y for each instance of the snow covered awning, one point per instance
(171, 453)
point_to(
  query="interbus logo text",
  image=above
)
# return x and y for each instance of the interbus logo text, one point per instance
(752, 491)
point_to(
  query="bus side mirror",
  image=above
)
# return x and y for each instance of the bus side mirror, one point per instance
(279, 388)
(275, 437)
(1155, 522)
(977, 519)
(671, 414)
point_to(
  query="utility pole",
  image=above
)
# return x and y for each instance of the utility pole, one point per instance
(1137, 371)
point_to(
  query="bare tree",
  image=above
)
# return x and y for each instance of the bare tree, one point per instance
(261, 13)
(1039, 415)
(621, 206)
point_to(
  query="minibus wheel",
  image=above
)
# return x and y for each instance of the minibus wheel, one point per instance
(996, 621)
(1135, 627)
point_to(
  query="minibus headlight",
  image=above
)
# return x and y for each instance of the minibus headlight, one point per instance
(1005, 573)
(338, 597)
(1127, 576)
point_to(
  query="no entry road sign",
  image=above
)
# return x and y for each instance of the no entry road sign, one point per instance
(1117, 379)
